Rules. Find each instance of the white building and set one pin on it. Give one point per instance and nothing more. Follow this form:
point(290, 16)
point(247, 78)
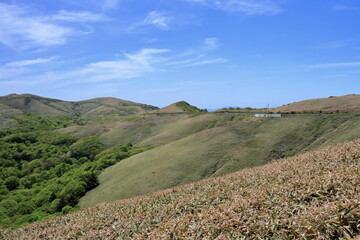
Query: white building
point(267, 115)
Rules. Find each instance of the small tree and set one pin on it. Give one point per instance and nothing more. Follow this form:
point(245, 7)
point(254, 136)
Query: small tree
point(87, 147)
point(12, 182)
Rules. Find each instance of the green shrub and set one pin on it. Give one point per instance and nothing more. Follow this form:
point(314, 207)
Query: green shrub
point(12, 182)
point(25, 208)
point(66, 210)
point(87, 147)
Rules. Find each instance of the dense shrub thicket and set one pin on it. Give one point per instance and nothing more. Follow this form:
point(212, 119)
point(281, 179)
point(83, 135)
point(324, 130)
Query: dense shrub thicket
point(44, 172)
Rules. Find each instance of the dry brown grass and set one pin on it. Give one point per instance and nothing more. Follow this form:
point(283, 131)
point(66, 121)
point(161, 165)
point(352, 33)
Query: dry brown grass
point(315, 195)
point(347, 103)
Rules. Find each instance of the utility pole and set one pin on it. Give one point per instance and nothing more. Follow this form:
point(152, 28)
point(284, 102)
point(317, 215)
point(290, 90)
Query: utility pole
point(267, 110)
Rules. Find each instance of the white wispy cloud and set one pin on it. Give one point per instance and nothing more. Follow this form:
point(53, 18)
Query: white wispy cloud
point(199, 60)
point(157, 19)
point(18, 68)
point(24, 63)
point(198, 55)
point(246, 7)
point(211, 44)
point(133, 65)
point(17, 29)
point(6, 73)
point(130, 66)
point(210, 61)
point(153, 19)
point(77, 16)
point(20, 30)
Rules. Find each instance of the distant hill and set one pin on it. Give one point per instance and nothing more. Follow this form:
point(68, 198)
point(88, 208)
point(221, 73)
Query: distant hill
point(180, 107)
point(310, 196)
point(87, 110)
point(347, 103)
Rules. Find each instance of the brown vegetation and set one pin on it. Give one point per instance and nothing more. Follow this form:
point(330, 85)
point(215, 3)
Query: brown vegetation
point(315, 195)
point(347, 103)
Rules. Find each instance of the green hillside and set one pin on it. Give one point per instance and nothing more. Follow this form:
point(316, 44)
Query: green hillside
point(225, 144)
point(44, 173)
point(96, 109)
point(310, 196)
point(190, 144)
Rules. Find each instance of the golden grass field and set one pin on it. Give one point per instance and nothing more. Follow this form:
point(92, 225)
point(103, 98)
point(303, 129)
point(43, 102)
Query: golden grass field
point(315, 195)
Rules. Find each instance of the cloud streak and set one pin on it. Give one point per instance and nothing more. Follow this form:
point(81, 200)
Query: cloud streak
point(246, 7)
point(30, 62)
point(131, 66)
point(79, 16)
point(16, 29)
point(210, 61)
point(15, 69)
point(20, 30)
point(157, 19)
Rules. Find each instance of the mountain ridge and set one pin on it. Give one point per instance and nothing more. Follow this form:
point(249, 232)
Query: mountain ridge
point(86, 110)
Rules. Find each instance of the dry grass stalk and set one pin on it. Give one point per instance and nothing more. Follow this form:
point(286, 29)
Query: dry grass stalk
point(315, 195)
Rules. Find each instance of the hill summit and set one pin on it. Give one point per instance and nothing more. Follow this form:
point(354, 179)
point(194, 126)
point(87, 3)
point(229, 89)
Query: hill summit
point(180, 107)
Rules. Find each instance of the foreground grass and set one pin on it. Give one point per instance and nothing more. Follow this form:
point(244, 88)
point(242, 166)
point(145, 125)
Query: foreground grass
point(315, 195)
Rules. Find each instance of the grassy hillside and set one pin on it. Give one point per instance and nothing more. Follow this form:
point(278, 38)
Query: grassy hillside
point(144, 130)
point(311, 196)
point(85, 111)
point(347, 103)
point(179, 107)
point(44, 173)
point(225, 144)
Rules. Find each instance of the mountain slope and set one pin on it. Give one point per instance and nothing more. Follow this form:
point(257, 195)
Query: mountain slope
point(347, 103)
point(179, 107)
point(310, 196)
point(228, 143)
point(87, 110)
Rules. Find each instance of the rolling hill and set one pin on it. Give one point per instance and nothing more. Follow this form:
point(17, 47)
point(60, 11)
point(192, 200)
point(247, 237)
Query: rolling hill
point(347, 103)
point(177, 108)
point(225, 144)
point(311, 196)
point(88, 110)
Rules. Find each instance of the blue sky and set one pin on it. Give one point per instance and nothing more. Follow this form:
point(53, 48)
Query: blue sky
point(211, 53)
